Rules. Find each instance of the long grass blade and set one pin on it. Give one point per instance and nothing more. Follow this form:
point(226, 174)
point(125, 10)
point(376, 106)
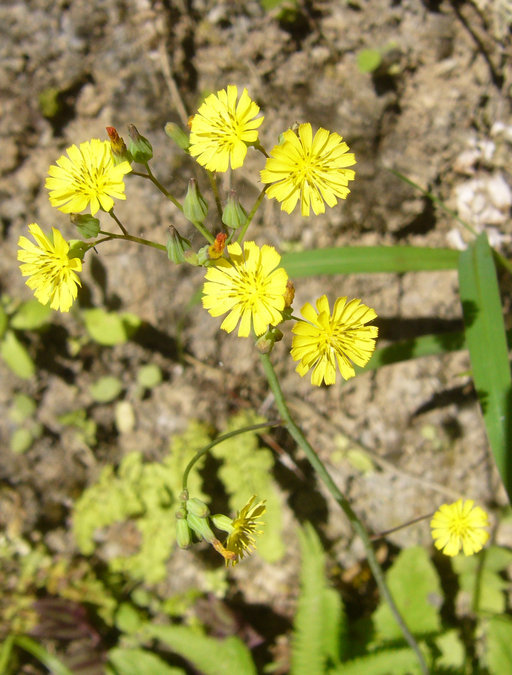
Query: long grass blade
point(368, 259)
point(486, 340)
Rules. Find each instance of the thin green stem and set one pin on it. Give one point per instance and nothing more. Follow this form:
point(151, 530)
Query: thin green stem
point(356, 523)
point(202, 229)
point(121, 226)
point(220, 439)
point(250, 216)
point(212, 177)
point(129, 237)
point(150, 176)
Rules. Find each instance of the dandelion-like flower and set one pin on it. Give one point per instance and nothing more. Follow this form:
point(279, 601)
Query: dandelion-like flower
point(460, 526)
point(310, 169)
point(324, 340)
point(241, 531)
point(222, 129)
point(52, 273)
point(249, 286)
point(88, 175)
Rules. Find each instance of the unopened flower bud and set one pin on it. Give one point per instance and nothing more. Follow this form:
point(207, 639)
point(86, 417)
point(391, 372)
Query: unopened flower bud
point(197, 507)
point(216, 250)
point(195, 207)
point(192, 258)
point(203, 256)
point(139, 147)
point(119, 150)
point(87, 225)
point(201, 527)
point(234, 214)
point(177, 134)
point(222, 522)
point(177, 246)
point(183, 532)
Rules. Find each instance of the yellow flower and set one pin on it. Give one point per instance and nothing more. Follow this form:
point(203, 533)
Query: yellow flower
point(88, 175)
point(52, 272)
point(248, 286)
point(459, 526)
point(222, 129)
point(312, 169)
point(240, 541)
point(324, 339)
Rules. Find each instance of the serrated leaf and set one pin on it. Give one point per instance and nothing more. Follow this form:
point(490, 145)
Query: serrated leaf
point(140, 661)
point(16, 356)
point(368, 259)
point(110, 328)
point(209, 656)
point(106, 389)
point(452, 652)
point(485, 336)
point(31, 315)
point(414, 585)
point(385, 662)
point(499, 645)
point(319, 625)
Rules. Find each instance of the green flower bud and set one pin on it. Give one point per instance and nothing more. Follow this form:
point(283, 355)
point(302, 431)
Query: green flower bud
point(183, 533)
point(265, 343)
point(119, 150)
point(203, 255)
point(197, 507)
point(177, 134)
point(139, 147)
point(195, 207)
point(87, 225)
point(176, 246)
point(222, 522)
point(234, 214)
point(201, 527)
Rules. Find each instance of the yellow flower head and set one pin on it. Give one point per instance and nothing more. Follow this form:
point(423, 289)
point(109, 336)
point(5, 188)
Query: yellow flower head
point(324, 339)
point(312, 169)
point(52, 273)
point(222, 129)
point(248, 286)
point(240, 541)
point(88, 175)
point(460, 526)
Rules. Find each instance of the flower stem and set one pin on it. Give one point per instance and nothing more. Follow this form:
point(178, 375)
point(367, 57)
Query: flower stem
point(220, 439)
point(212, 177)
point(113, 215)
point(341, 500)
point(202, 229)
point(250, 216)
point(128, 237)
point(150, 176)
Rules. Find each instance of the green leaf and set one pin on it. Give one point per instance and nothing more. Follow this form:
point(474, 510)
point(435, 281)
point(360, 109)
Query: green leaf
point(88, 226)
point(426, 345)
point(499, 645)
point(414, 585)
point(368, 259)
point(149, 376)
point(16, 356)
point(4, 320)
point(138, 661)
point(319, 623)
point(20, 441)
point(110, 328)
point(486, 339)
point(37, 650)
point(22, 408)
point(368, 60)
point(31, 315)
point(209, 656)
point(385, 662)
point(106, 389)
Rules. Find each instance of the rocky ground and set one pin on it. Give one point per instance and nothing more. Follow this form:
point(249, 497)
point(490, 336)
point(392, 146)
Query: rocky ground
point(437, 110)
